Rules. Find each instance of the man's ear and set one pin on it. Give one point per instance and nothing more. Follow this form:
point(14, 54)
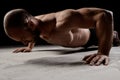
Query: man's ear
point(31, 25)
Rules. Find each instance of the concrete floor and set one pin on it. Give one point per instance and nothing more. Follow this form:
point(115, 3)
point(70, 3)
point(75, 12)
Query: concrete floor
point(56, 63)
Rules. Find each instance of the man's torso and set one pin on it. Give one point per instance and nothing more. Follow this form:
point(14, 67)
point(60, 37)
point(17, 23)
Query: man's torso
point(68, 27)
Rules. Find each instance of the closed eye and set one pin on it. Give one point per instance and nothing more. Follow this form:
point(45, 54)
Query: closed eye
point(25, 42)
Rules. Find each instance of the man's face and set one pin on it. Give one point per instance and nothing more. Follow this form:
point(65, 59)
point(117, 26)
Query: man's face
point(22, 35)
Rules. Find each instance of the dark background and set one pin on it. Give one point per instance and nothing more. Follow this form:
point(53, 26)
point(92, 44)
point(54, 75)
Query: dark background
point(37, 7)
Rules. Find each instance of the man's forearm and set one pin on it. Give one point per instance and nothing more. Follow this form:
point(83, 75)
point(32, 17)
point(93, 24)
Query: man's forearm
point(105, 38)
point(105, 46)
point(104, 28)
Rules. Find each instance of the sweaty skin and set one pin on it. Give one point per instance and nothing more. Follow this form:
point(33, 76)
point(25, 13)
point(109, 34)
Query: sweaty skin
point(70, 28)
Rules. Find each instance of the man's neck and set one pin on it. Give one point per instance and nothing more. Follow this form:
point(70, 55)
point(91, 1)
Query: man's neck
point(46, 27)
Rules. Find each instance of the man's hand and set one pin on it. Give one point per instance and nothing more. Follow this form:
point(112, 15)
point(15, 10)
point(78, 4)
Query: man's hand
point(23, 49)
point(96, 59)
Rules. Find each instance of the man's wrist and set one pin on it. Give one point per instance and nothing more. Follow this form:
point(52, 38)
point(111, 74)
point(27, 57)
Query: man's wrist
point(103, 53)
point(31, 45)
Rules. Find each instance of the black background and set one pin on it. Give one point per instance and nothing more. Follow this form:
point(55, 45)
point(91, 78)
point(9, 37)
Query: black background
point(37, 7)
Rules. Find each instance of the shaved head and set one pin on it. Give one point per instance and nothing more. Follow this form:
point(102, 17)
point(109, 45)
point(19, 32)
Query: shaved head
point(15, 18)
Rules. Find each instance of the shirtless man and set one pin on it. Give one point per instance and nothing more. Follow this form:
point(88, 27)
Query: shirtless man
point(69, 28)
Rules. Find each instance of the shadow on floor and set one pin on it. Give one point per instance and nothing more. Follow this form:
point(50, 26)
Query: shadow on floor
point(56, 61)
point(60, 61)
point(64, 51)
point(80, 50)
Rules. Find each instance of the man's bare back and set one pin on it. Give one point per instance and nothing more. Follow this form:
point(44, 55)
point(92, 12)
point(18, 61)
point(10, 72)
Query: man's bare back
point(70, 28)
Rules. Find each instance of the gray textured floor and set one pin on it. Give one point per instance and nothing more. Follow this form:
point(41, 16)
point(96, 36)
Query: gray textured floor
point(56, 63)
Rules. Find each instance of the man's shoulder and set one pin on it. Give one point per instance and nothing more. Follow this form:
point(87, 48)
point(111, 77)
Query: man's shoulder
point(46, 16)
point(65, 12)
point(91, 9)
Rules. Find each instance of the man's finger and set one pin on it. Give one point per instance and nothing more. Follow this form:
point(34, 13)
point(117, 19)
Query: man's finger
point(26, 51)
point(84, 59)
point(100, 61)
point(106, 61)
point(88, 60)
point(94, 60)
point(15, 51)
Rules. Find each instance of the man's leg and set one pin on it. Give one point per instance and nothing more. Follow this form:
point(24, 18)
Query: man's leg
point(116, 40)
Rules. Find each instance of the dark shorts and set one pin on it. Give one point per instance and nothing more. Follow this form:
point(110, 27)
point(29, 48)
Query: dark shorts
point(93, 40)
